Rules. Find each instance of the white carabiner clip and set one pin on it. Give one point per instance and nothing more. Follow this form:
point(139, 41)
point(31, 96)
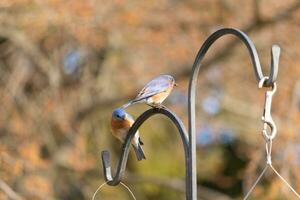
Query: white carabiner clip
point(267, 117)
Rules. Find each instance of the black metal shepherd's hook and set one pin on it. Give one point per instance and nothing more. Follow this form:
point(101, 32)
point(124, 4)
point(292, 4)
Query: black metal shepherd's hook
point(275, 52)
point(189, 142)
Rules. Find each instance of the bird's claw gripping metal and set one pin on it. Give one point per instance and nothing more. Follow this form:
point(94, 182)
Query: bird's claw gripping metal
point(267, 117)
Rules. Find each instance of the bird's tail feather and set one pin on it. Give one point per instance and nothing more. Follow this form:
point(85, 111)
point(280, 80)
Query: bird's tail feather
point(127, 104)
point(133, 102)
point(139, 152)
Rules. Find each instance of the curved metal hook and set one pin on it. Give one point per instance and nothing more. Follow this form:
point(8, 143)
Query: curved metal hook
point(275, 52)
point(115, 180)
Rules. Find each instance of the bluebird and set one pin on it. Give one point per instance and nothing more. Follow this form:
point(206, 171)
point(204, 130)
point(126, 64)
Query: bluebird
point(155, 92)
point(120, 124)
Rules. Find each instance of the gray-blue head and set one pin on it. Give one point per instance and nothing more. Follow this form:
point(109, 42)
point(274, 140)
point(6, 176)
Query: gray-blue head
point(166, 77)
point(119, 114)
point(169, 78)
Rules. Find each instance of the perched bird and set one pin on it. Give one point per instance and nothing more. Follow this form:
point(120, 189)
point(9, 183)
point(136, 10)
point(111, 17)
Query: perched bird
point(155, 92)
point(120, 124)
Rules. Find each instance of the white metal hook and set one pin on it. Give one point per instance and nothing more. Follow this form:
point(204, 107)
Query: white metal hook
point(267, 117)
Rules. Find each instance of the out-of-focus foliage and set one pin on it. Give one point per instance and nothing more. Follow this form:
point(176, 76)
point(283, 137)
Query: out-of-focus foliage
point(66, 64)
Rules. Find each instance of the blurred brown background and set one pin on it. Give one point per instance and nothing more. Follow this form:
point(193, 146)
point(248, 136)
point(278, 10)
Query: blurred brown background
point(66, 64)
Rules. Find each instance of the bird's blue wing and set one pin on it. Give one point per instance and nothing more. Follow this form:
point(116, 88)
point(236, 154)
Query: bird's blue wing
point(158, 85)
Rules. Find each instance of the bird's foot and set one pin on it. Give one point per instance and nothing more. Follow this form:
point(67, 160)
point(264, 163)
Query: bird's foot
point(157, 106)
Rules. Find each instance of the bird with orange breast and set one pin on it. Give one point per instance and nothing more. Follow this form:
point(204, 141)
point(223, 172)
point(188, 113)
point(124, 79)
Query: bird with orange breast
point(155, 92)
point(121, 122)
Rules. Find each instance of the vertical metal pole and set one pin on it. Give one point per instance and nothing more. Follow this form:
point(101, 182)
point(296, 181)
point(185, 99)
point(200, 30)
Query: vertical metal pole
point(192, 136)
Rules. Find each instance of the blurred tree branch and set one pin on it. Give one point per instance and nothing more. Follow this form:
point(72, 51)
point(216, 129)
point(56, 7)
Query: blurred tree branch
point(257, 15)
point(9, 191)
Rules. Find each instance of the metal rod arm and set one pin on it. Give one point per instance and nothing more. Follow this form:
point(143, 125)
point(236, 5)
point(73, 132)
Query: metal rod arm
point(115, 180)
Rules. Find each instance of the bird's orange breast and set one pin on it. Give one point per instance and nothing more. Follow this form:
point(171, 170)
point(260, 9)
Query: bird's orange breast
point(120, 124)
point(160, 97)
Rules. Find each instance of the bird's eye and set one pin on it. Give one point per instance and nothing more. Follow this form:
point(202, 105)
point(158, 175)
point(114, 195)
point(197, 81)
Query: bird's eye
point(119, 116)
